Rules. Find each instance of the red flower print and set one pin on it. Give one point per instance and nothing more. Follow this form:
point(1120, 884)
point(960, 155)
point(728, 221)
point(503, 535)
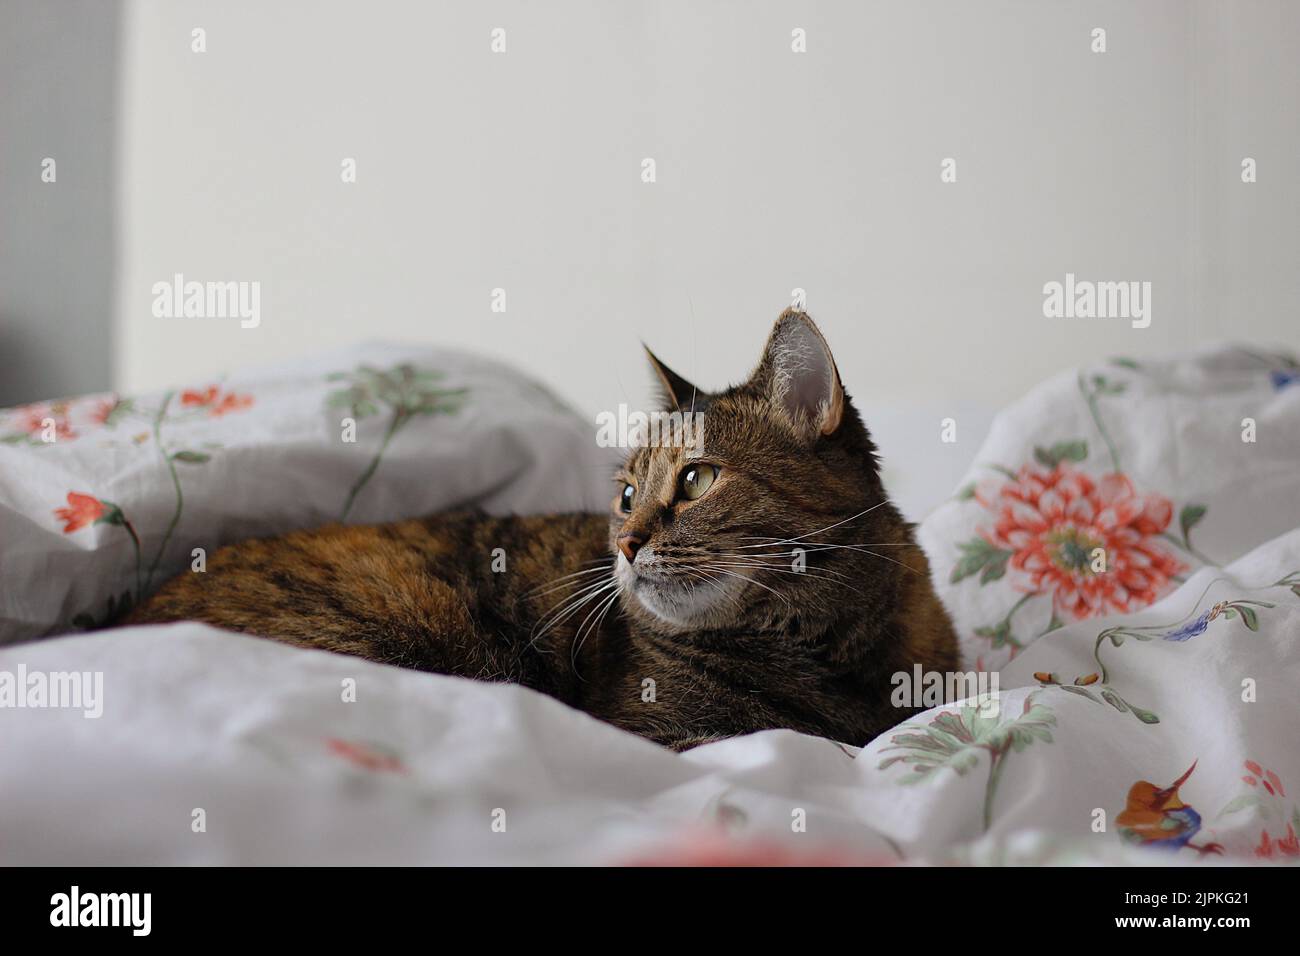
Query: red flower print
point(82, 510)
point(232, 403)
point(1271, 848)
point(103, 408)
point(365, 756)
point(193, 398)
point(34, 417)
point(107, 411)
point(1052, 521)
point(1275, 781)
point(216, 402)
point(1259, 775)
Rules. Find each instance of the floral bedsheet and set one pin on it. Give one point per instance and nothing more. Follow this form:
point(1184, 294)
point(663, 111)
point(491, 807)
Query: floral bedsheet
point(1125, 555)
point(103, 497)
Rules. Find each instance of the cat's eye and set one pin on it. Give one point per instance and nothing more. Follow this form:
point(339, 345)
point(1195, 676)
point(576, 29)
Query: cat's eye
point(625, 500)
point(697, 479)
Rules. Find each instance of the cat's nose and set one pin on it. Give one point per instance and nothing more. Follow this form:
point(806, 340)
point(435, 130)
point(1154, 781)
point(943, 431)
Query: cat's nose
point(629, 542)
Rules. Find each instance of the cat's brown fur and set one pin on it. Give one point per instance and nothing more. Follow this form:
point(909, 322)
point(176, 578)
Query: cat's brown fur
point(714, 628)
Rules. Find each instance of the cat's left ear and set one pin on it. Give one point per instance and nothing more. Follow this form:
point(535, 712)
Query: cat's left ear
point(677, 393)
point(799, 375)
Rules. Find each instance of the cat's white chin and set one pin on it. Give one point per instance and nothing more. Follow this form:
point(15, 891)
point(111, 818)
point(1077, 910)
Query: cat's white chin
point(674, 606)
point(673, 602)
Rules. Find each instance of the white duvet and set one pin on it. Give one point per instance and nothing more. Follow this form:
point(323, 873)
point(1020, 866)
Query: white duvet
point(1151, 716)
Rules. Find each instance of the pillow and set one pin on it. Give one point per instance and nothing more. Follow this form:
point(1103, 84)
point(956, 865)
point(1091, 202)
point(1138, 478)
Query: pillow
point(104, 497)
point(1104, 488)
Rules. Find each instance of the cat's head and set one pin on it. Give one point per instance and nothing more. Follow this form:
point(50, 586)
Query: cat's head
point(758, 506)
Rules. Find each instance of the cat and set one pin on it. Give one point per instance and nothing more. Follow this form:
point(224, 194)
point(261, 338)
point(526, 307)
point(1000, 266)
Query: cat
point(753, 577)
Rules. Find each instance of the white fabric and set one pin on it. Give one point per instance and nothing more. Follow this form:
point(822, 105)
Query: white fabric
point(420, 767)
point(264, 452)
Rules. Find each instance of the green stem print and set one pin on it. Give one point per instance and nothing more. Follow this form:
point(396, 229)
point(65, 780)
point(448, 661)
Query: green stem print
point(997, 761)
point(170, 458)
point(1188, 519)
point(1291, 581)
point(405, 391)
point(1101, 385)
point(1190, 625)
point(84, 510)
point(1000, 633)
point(135, 543)
point(396, 422)
point(955, 740)
point(1082, 687)
point(176, 484)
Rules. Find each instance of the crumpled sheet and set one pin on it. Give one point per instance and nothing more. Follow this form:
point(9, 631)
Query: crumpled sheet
point(1160, 734)
point(104, 497)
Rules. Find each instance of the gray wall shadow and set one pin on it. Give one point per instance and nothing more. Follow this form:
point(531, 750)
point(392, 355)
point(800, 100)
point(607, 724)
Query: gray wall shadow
point(58, 99)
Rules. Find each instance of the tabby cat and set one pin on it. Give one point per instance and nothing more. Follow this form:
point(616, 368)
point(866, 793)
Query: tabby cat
point(754, 577)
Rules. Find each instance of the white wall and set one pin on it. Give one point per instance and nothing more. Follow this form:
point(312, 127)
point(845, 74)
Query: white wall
point(775, 170)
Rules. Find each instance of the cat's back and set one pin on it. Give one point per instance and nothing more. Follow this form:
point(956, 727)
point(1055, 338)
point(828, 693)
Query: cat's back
point(256, 584)
point(394, 592)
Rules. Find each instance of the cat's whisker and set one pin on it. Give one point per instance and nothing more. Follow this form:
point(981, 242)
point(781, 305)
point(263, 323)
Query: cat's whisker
point(747, 579)
point(816, 547)
point(576, 590)
point(584, 630)
point(807, 572)
point(779, 557)
point(601, 564)
point(778, 563)
point(716, 586)
point(885, 557)
point(590, 614)
point(863, 550)
point(603, 610)
point(551, 626)
point(560, 582)
point(568, 606)
point(819, 574)
point(779, 566)
point(829, 527)
point(561, 586)
point(758, 555)
point(820, 545)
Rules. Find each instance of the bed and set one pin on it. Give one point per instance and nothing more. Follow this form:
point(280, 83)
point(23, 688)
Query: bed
point(1145, 708)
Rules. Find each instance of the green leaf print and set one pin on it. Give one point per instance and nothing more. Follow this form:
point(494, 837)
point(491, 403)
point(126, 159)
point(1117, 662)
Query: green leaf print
point(404, 391)
point(954, 740)
point(980, 556)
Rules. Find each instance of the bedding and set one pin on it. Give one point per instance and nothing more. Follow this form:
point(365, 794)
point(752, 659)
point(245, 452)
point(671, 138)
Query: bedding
point(102, 498)
point(1124, 555)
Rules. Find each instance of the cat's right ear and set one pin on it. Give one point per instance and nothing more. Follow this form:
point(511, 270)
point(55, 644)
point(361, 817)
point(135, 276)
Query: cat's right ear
point(676, 392)
point(799, 376)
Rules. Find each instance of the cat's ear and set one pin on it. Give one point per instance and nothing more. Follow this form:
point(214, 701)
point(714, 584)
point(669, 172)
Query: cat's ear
point(799, 376)
point(677, 393)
